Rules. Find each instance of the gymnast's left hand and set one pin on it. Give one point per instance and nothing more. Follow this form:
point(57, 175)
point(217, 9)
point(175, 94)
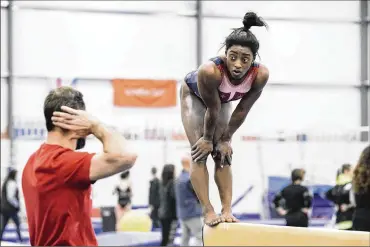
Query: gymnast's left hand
point(225, 151)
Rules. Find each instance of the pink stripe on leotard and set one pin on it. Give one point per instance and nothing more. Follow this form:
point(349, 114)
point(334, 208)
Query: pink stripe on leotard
point(229, 92)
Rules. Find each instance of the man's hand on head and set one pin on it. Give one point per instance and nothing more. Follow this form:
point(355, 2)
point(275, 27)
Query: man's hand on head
point(79, 121)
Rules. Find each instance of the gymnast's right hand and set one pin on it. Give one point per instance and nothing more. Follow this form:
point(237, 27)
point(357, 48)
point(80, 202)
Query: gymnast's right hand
point(201, 149)
point(79, 121)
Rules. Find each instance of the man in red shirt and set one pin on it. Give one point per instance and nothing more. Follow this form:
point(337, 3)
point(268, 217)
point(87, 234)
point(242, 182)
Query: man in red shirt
point(57, 180)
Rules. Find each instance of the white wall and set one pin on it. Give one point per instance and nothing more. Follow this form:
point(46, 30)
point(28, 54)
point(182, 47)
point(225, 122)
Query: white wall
point(4, 104)
point(4, 43)
point(325, 10)
point(57, 43)
point(368, 46)
point(143, 6)
point(295, 108)
point(4, 3)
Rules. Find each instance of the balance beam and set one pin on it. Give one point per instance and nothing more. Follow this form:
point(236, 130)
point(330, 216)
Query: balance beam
point(246, 234)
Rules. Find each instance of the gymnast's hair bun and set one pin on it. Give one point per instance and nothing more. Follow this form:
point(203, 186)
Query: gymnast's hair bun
point(251, 19)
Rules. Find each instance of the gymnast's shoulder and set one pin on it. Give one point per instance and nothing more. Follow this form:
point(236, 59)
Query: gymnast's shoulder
point(209, 71)
point(262, 77)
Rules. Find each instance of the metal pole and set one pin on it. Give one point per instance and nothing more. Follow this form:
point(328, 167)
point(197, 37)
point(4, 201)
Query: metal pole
point(10, 82)
point(199, 32)
point(364, 46)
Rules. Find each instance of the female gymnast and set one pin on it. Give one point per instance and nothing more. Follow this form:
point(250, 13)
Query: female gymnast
point(207, 115)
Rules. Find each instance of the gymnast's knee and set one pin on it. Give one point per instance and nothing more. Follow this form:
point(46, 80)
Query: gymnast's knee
point(218, 164)
point(198, 163)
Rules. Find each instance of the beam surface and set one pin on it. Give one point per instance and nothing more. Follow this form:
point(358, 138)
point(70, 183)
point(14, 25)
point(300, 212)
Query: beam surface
point(246, 234)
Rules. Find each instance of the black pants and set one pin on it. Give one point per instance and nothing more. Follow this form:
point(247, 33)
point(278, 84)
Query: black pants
point(168, 231)
point(155, 218)
point(5, 217)
point(297, 219)
point(361, 220)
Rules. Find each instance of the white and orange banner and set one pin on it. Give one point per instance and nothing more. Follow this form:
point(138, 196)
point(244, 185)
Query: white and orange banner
point(144, 93)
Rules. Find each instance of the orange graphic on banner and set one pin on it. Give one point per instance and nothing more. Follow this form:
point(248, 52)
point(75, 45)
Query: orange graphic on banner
point(144, 93)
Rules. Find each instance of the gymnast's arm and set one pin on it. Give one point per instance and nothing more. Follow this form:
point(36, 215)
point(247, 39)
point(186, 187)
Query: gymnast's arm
point(115, 158)
point(241, 111)
point(208, 81)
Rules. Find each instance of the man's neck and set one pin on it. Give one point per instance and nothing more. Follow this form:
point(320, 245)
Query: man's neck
point(297, 182)
point(57, 138)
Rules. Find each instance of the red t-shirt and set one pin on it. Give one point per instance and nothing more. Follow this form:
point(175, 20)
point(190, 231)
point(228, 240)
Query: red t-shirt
point(57, 189)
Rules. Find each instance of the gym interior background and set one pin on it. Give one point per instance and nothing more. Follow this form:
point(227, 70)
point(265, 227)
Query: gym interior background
point(313, 113)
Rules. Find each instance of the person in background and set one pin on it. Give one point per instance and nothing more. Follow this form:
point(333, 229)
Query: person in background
point(10, 203)
point(189, 210)
point(361, 192)
point(340, 196)
point(297, 200)
point(154, 198)
point(167, 208)
point(124, 192)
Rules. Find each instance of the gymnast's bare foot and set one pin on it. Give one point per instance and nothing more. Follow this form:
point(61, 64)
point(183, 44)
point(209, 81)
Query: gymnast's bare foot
point(228, 217)
point(212, 219)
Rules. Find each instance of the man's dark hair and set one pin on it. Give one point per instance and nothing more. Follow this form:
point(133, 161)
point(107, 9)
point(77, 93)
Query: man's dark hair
point(58, 97)
point(297, 174)
point(12, 174)
point(346, 167)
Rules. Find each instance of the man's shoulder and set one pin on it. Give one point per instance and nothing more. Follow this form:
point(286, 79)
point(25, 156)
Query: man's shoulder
point(50, 150)
point(46, 154)
point(301, 188)
point(49, 158)
point(183, 178)
point(289, 187)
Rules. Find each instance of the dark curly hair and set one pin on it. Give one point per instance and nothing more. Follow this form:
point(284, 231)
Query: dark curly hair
point(361, 174)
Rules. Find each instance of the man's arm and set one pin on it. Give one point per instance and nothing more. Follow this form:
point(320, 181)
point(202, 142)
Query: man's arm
point(277, 199)
point(307, 200)
point(208, 82)
point(329, 195)
point(115, 158)
point(89, 167)
point(277, 203)
point(241, 111)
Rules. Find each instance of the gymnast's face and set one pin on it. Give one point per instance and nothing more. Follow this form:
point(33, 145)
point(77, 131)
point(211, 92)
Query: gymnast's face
point(238, 60)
